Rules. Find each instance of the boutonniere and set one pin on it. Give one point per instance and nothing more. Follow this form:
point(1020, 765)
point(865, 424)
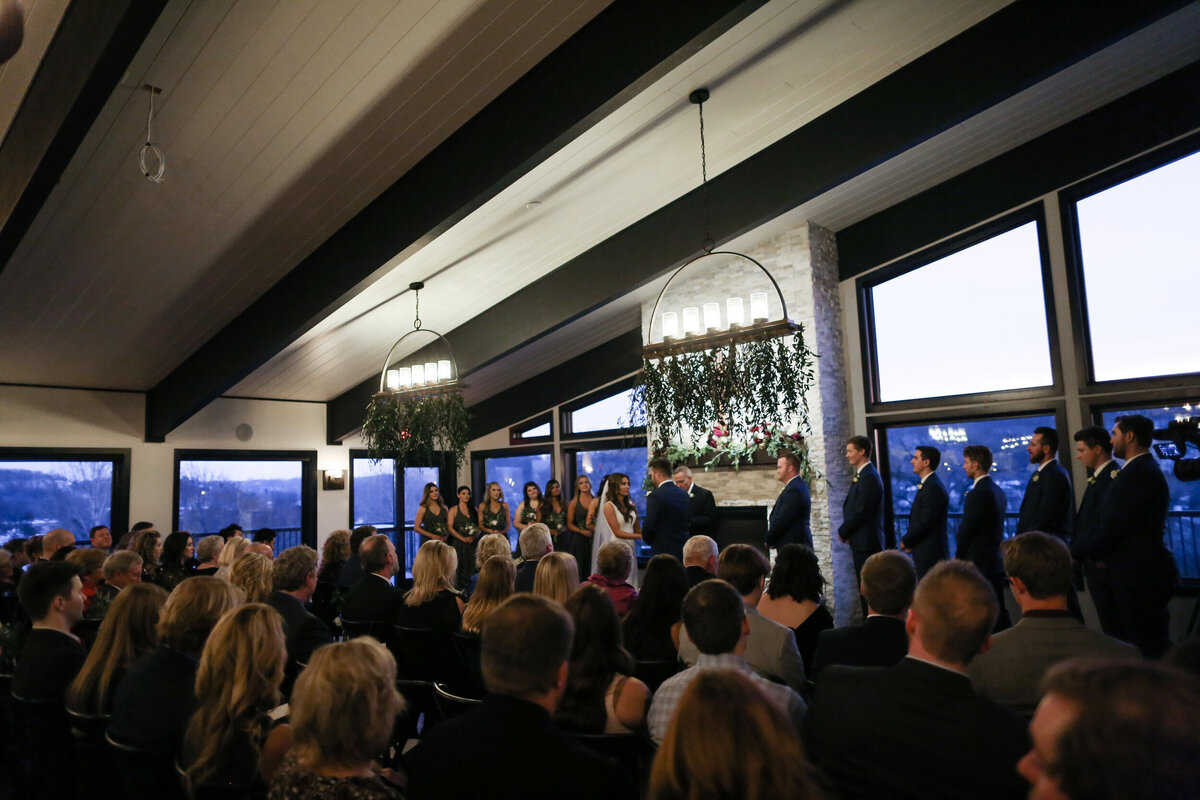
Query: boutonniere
point(1091, 480)
point(1113, 474)
point(1036, 475)
point(855, 479)
point(920, 486)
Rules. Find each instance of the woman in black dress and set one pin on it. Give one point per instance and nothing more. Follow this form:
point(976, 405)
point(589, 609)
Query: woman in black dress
point(580, 543)
point(553, 514)
point(464, 528)
point(430, 521)
point(793, 597)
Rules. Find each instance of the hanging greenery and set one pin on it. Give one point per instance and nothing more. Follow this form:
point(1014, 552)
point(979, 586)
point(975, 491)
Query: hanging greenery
point(724, 406)
point(414, 429)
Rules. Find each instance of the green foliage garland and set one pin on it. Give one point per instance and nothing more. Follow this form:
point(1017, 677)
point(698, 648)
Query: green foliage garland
point(413, 430)
point(728, 404)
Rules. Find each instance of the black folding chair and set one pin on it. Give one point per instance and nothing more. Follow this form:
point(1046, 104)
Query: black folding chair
point(466, 646)
point(632, 752)
point(43, 746)
point(450, 705)
point(354, 628)
point(146, 773)
point(92, 752)
point(653, 673)
point(424, 654)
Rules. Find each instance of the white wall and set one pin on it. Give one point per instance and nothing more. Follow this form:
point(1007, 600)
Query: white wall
point(39, 417)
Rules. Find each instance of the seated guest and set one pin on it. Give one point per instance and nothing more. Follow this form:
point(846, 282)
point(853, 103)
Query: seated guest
point(208, 555)
point(253, 574)
point(342, 712)
point(91, 571)
point(495, 586)
point(20, 559)
point(157, 695)
point(235, 548)
point(556, 577)
point(326, 599)
point(262, 549)
point(129, 631)
point(601, 697)
point(888, 582)
point(699, 559)
point(232, 739)
point(294, 578)
point(1115, 729)
point(100, 537)
point(373, 599)
point(525, 649)
point(432, 602)
point(229, 532)
point(615, 562)
point(57, 543)
point(493, 544)
point(52, 595)
point(651, 628)
point(265, 536)
point(916, 730)
point(123, 568)
point(149, 546)
point(534, 543)
point(771, 650)
point(794, 597)
point(1011, 672)
point(352, 571)
point(177, 561)
point(716, 613)
point(33, 551)
point(728, 740)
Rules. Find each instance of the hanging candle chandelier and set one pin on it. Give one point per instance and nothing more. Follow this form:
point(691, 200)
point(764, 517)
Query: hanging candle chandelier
point(434, 373)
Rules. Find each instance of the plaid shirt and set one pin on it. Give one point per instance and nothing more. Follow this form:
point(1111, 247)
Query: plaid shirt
point(667, 696)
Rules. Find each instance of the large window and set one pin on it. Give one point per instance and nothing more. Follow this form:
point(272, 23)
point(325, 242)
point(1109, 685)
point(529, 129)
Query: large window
point(512, 472)
point(971, 321)
point(1141, 268)
point(1007, 438)
point(596, 464)
point(44, 489)
point(604, 412)
point(381, 493)
point(1183, 514)
point(254, 489)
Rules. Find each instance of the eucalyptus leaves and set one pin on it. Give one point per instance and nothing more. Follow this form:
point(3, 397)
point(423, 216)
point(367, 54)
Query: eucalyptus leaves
point(414, 429)
point(729, 403)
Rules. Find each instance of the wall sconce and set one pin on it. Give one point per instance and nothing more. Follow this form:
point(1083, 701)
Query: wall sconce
point(333, 479)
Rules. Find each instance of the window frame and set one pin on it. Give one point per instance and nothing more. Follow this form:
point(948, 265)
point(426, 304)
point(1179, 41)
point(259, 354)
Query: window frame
point(1033, 212)
point(565, 410)
point(121, 459)
point(1068, 199)
point(308, 481)
point(515, 438)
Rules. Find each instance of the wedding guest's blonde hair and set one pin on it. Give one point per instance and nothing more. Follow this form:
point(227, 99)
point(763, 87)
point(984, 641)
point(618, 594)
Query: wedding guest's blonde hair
point(129, 631)
point(495, 586)
point(253, 573)
point(556, 577)
point(493, 544)
point(433, 570)
point(193, 609)
point(231, 552)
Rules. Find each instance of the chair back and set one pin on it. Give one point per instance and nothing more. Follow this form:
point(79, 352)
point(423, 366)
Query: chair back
point(145, 773)
point(92, 751)
point(653, 673)
point(424, 654)
point(467, 647)
point(632, 752)
point(354, 628)
point(43, 744)
point(450, 705)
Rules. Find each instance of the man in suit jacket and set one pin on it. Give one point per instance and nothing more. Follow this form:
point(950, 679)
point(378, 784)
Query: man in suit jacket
point(862, 510)
point(1048, 505)
point(295, 579)
point(789, 522)
point(524, 651)
point(771, 649)
point(926, 538)
point(373, 599)
point(668, 510)
point(52, 595)
point(888, 583)
point(1093, 448)
point(699, 559)
point(1011, 672)
point(981, 528)
point(534, 543)
point(916, 730)
point(1129, 543)
point(703, 521)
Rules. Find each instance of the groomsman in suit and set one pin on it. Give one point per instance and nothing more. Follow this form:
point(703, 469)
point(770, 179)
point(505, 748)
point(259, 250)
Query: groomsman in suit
point(1093, 448)
point(704, 506)
point(668, 510)
point(789, 516)
point(982, 526)
point(1049, 502)
point(1129, 544)
point(926, 539)
point(862, 510)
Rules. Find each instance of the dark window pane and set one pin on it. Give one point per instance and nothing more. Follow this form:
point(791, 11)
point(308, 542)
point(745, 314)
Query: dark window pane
point(629, 461)
point(1006, 438)
point(512, 472)
point(611, 413)
point(978, 313)
point(254, 494)
point(1139, 238)
point(39, 496)
point(1183, 514)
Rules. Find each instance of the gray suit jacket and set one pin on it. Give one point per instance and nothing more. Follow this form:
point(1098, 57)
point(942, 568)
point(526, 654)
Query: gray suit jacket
point(770, 651)
point(1011, 672)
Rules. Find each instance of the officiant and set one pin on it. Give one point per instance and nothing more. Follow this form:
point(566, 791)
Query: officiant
point(704, 506)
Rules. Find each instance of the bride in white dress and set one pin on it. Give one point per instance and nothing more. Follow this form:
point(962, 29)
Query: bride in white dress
point(616, 518)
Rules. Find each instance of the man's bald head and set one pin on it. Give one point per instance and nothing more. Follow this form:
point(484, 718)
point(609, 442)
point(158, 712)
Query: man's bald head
point(56, 540)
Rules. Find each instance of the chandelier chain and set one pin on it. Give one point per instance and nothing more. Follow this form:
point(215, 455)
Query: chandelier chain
point(417, 320)
point(708, 240)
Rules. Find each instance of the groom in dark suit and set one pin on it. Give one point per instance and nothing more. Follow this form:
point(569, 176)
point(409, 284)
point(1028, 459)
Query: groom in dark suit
point(862, 510)
point(926, 538)
point(668, 511)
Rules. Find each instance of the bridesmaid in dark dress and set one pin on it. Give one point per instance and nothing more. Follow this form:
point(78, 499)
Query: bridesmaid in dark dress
point(464, 529)
point(493, 512)
point(554, 515)
point(793, 597)
point(430, 521)
point(529, 509)
point(580, 543)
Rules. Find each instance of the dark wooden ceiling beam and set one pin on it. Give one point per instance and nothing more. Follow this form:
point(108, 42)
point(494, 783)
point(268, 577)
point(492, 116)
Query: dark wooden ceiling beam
point(620, 52)
point(1015, 48)
point(93, 46)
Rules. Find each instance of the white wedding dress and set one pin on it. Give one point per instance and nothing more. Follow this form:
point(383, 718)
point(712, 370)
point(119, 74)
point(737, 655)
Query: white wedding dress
point(604, 533)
